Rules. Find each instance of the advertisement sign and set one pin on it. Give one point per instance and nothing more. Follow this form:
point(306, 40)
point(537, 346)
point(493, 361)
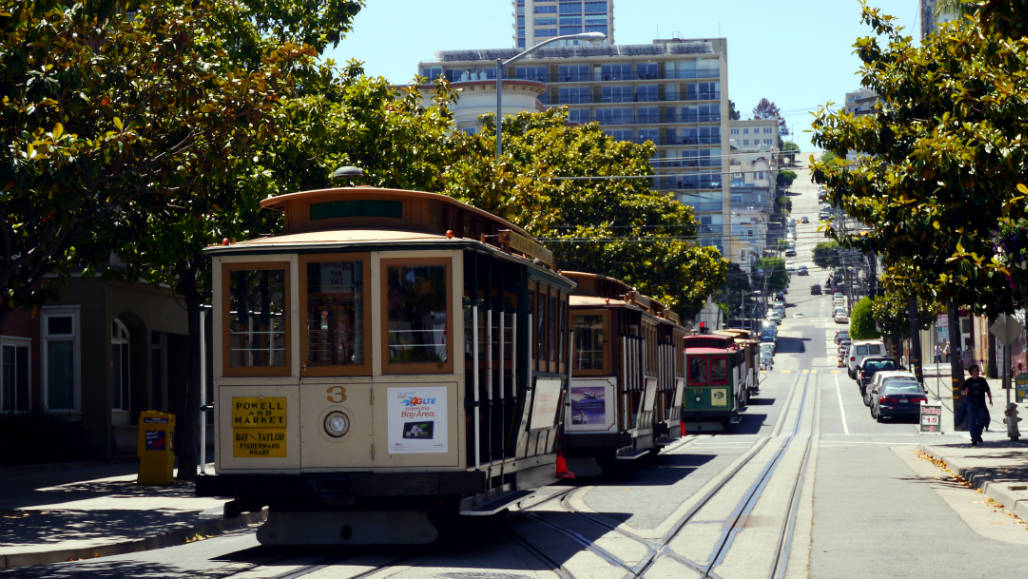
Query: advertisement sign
point(719, 397)
point(417, 420)
point(259, 427)
point(1021, 387)
point(592, 405)
point(931, 417)
point(544, 403)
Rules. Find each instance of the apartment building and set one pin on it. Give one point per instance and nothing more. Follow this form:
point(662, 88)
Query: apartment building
point(754, 146)
point(538, 20)
point(672, 92)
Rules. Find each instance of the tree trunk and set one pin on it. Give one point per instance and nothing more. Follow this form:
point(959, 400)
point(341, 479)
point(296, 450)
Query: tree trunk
point(189, 421)
point(956, 362)
point(915, 339)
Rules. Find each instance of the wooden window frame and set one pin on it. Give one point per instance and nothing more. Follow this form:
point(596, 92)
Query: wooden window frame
point(363, 369)
point(415, 367)
point(608, 339)
point(227, 368)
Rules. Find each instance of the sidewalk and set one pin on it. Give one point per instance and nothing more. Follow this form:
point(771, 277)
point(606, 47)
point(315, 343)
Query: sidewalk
point(999, 468)
point(61, 512)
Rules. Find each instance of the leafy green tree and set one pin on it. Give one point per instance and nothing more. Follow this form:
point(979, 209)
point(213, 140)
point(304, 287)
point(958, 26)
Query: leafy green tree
point(108, 108)
point(941, 158)
point(789, 151)
point(772, 271)
point(785, 179)
point(733, 113)
point(828, 254)
point(862, 322)
point(564, 184)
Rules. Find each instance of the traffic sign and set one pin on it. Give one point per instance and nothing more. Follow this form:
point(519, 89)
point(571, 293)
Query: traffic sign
point(1006, 328)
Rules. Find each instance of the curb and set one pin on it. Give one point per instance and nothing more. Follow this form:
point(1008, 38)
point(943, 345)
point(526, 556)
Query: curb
point(159, 541)
point(1011, 496)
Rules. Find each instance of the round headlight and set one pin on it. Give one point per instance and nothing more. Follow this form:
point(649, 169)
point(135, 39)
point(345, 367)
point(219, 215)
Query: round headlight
point(337, 424)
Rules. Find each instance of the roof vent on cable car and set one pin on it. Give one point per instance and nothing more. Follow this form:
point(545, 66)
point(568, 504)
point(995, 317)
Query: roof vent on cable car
point(347, 172)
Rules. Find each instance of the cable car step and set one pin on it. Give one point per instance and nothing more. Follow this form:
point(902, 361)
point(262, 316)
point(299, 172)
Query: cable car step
point(633, 455)
point(494, 506)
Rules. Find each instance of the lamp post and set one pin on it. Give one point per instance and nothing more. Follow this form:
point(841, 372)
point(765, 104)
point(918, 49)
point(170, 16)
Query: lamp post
point(500, 64)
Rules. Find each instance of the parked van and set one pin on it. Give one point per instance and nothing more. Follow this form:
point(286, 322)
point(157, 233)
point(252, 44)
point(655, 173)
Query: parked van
point(859, 350)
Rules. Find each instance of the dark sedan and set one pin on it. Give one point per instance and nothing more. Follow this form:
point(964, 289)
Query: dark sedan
point(872, 364)
point(898, 399)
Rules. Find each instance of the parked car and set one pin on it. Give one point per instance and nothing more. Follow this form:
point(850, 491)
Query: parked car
point(802, 270)
point(841, 335)
point(862, 349)
point(881, 378)
point(840, 317)
point(898, 399)
point(790, 251)
point(872, 365)
point(804, 219)
point(815, 290)
point(790, 266)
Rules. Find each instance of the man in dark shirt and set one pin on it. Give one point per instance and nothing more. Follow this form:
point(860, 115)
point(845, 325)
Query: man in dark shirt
point(975, 390)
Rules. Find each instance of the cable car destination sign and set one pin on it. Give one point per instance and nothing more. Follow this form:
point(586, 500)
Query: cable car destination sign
point(259, 427)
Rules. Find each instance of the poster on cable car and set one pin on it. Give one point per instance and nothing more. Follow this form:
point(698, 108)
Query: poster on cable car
point(417, 420)
point(592, 405)
point(1021, 387)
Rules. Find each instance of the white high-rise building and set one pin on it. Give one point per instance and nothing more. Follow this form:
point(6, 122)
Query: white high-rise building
point(537, 20)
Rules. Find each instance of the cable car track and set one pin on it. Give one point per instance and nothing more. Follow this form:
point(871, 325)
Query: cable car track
point(661, 548)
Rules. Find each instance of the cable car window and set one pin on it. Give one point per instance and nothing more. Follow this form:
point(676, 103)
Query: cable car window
point(335, 305)
point(590, 342)
point(697, 371)
point(719, 370)
point(257, 322)
point(417, 308)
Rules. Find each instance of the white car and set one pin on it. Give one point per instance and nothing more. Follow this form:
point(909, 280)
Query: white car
point(861, 349)
point(790, 266)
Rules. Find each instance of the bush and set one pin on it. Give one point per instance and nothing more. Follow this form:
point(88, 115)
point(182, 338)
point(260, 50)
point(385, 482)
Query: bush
point(862, 322)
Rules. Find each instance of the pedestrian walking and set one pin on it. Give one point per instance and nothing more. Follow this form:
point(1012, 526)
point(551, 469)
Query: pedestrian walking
point(975, 390)
point(938, 354)
point(945, 352)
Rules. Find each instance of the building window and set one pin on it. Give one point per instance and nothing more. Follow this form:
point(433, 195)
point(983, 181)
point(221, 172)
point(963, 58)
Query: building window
point(14, 374)
point(647, 93)
point(617, 94)
point(570, 8)
point(573, 95)
point(61, 377)
point(573, 73)
point(545, 32)
point(545, 21)
point(616, 71)
point(648, 115)
point(120, 375)
point(580, 116)
point(646, 70)
point(538, 73)
point(649, 135)
point(544, 9)
point(595, 7)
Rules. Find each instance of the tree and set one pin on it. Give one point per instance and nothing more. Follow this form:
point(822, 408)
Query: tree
point(733, 113)
point(108, 108)
point(766, 109)
point(862, 322)
point(784, 179)
point(790, 150)
point(828, 254)
point(772, 270)
point(941, 158)
point(564, 184)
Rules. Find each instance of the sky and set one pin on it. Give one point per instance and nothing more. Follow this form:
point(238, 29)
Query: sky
point(797, 53)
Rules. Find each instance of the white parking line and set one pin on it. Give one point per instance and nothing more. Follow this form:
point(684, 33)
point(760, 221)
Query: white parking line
point(842, 411)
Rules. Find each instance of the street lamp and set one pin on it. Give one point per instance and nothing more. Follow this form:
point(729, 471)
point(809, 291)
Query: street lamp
point(502, 63)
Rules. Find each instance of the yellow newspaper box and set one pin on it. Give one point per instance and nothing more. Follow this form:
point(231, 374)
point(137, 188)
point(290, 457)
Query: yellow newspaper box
point(155, 448)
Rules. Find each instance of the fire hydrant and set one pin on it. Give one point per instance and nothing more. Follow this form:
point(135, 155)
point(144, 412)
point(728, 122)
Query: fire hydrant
point(1011, 420)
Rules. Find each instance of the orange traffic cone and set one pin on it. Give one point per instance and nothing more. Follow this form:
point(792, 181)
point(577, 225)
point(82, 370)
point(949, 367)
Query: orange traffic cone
point(682, 424)
point(562, 468)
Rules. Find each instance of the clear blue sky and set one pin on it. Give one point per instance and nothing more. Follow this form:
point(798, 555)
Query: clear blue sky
point(797, 53)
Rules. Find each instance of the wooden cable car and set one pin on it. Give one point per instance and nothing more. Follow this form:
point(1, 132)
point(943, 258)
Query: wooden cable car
point(391, 359)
